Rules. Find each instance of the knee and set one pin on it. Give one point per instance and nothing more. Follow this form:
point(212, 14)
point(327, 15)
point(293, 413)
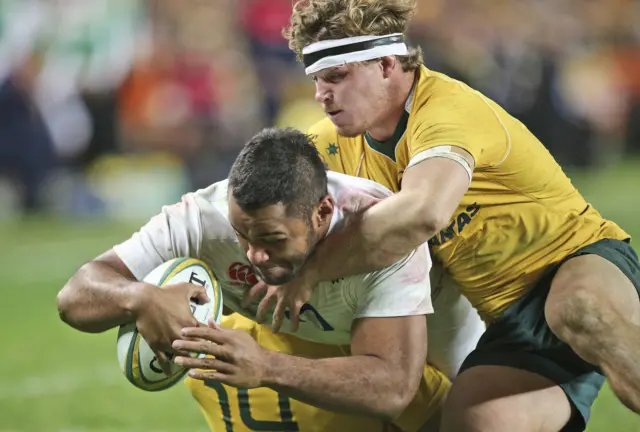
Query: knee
point(572, 308)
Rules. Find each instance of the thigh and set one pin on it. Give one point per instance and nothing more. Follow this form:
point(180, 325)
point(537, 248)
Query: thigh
point(603, 279)
point(522, 340)
point(504, 399)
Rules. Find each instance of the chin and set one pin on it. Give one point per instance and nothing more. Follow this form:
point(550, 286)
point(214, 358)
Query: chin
point(277, 277)
point(349, 131)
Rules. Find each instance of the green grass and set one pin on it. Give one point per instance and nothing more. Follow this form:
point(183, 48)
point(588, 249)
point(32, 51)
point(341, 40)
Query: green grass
point(56, 379)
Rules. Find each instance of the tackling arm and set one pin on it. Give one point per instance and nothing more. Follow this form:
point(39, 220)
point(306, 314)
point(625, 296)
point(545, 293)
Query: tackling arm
point(388, 231)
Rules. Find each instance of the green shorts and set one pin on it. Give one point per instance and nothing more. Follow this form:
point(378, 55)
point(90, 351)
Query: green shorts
point(521, 338)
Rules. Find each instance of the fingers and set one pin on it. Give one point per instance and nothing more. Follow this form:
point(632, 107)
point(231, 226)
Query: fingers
point(180, 353)
point(209, 363)
point(294, 312)
point(265, 304)
point(163, 361)
point(254, 293)
point(199, 346)
point(215, 334)
point(205, 375)
point(199, 294)
point(213, 324)
point(278, 315)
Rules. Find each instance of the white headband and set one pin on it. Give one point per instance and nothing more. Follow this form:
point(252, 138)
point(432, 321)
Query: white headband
point(336, 52)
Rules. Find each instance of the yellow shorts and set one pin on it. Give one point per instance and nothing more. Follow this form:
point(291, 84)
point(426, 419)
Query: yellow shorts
point(228, 409)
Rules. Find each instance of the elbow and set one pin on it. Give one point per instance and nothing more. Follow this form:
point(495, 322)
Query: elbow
point(427, 217)
point(397, 399)
point(64, 303)
point(71, 308)
point(431, 221)
point(397, 404)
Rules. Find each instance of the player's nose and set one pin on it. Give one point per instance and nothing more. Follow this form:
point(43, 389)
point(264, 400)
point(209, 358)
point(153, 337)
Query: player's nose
point(322, 93)
point(257, 256)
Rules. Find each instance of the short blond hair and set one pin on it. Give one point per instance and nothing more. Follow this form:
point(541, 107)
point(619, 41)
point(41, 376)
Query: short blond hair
point(316, 20)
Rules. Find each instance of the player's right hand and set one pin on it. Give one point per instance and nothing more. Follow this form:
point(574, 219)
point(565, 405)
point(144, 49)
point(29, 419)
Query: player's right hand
point(290, 296)
point(161, 314)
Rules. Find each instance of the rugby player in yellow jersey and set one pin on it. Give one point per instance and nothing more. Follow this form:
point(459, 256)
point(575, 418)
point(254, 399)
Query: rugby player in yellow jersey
point(557, 283)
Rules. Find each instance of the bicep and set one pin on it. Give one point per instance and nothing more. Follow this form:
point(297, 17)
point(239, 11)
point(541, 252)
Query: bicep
point(111, 259)
point(401, 342)
point(173, 233)
point(438, 183)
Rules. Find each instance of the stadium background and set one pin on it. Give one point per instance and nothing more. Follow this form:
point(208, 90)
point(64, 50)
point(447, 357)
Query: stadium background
point(111, 108)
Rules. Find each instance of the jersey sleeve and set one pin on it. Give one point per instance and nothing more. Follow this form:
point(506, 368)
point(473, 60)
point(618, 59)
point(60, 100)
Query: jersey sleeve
point(175, 232)
point(402, 289)
point(460, 118)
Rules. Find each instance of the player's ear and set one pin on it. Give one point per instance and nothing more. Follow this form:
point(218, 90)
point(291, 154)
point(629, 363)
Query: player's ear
point(324, 211)
point(388, 63)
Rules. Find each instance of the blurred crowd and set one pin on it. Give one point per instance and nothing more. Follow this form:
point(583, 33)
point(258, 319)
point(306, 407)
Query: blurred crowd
point(113, 106)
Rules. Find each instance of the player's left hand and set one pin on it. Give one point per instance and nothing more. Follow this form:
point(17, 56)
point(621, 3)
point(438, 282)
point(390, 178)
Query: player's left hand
point(292, 296)
point(239, 360)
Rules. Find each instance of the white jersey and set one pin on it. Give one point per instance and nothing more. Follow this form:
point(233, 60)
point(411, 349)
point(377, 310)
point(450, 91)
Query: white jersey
point(199, 227)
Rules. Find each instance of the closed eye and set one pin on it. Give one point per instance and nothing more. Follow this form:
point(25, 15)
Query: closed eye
point(273, 240)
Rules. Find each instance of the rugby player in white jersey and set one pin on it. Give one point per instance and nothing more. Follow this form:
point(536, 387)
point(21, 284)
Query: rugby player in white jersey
point(364, 337)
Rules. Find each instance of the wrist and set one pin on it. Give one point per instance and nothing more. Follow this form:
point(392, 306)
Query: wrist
point(134, 299)
point(310, 274)
point(273, 366)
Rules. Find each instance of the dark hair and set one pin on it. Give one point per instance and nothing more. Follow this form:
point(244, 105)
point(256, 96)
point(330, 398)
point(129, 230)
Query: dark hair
point(279, 166)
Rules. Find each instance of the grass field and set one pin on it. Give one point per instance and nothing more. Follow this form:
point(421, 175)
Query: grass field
point(56, 379)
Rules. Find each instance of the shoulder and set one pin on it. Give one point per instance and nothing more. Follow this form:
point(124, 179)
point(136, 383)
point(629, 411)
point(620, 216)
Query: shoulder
point(447, 112)
point(352, 194)
point(327, 140)
point(323, 132)
point(212, 207)
point(215, 193)
point(439, 97)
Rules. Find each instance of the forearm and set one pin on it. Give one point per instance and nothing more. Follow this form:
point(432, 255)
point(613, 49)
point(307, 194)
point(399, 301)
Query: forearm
point(355, 384)
point(376, 238)
point(97, 298)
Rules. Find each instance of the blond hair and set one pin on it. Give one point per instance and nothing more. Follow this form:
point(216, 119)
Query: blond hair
point(315, 20)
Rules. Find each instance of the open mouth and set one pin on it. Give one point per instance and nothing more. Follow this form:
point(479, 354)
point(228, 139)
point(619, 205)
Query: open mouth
point(334, 113)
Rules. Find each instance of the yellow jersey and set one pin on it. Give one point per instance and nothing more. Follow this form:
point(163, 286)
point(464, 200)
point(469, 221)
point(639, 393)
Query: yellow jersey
point(521, 213)
point(260, 409)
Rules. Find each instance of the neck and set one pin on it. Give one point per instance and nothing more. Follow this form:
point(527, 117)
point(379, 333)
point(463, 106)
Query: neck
point(386, 125)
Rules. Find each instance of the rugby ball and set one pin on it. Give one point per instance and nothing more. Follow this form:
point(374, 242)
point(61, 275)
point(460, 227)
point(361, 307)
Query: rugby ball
point(137, 361)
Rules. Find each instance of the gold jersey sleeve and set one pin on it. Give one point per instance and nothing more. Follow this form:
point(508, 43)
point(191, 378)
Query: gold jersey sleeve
point(243, 410)
point(449, 113)
point(521, 213)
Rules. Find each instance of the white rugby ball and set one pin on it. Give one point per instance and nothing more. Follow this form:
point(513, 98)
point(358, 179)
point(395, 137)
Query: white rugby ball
point(137, 361)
